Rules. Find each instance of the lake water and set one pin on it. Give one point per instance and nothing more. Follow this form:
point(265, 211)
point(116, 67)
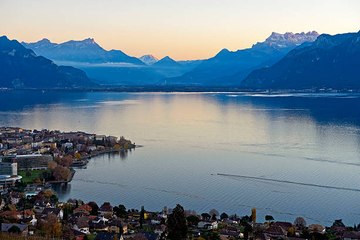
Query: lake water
point(302, 151)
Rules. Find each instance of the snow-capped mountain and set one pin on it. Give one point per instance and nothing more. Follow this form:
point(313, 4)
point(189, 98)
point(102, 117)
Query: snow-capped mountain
point(329, 62)
point(288, 39)
point(86, 50)
point(229, 68)
point(22, 68)
point(148, 59)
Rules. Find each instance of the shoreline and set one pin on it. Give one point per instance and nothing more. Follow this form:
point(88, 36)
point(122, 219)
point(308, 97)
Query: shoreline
point(187, 89)
point(112, 150)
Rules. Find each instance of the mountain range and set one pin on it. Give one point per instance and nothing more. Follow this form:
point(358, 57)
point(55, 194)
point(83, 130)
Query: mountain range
point(229, 68)
point(86, 50)
point(22, 68)
point(283, 61)
point(328, 62)
point(112, 67)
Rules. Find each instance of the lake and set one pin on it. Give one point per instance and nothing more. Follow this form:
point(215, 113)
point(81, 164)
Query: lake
point(287, 155)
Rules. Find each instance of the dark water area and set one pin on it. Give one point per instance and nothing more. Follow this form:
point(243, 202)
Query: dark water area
point(287, 155)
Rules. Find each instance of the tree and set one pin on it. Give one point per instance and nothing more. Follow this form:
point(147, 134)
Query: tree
point(68, 210)
point(224, 216)
point(213, 212)
point(245, 219)
point(193, 220)
point(94, 208)
point(52, 226)
point(68, 232)
point(65, 161)
point(269, 218)
point(48, 193)
point(78, 156)
point(61, 173)
point(291, 232)
point(52, 165)
point(120, 211)
point(338, 223)
point(300, 223)
point(205, 216)
point(247, 230)
point(177, 227)
point(142, 216)
point(211, 235)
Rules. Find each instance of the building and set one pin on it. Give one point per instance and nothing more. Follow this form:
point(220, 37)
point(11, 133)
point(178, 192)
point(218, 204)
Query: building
point(8, 168)
point(33, 161)
point(8, 173)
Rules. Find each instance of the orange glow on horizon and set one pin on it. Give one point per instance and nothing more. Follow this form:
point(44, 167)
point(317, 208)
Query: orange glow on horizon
point(181, 29)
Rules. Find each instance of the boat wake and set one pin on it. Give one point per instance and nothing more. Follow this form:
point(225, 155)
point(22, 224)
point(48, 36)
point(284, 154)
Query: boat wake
point(290, 182)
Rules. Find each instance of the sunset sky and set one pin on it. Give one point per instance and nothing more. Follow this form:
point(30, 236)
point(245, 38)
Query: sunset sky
point(182, 29)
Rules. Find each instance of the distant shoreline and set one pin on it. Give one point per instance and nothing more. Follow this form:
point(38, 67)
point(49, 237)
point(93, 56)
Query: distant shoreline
point(195, 89)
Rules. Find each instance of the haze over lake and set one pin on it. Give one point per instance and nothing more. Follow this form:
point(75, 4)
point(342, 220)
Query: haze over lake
point(300, 150)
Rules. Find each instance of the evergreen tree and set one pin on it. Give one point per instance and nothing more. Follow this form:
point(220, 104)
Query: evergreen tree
point(142, 216)
point(177, 226)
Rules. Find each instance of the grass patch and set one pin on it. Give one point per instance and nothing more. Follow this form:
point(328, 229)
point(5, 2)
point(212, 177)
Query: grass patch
point(30, 175)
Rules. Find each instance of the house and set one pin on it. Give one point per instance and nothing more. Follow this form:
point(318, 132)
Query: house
point(208, 225)
point(73, 202)
point(11, 215)
point(51, 145)
point(275, 232)
point(7, 227)
point(106, 210)
point(68, 145)
point(160, 229)
point(79, 235)
point(30, 220)
point(108, 236)
point(2, 204)
point(91, 148)
point(100, 224)
point(40, 205)
point(84, 209)
point(155, 222)
point(151, 236)
point(230, 231)
point(351, 235)
point(99, 227)
point(15, 197)
point(283, 225)
point(116, 226)
point(58, 212)
point(82, 225)
point(100, 220)
point(100, 137)
point(316, 228)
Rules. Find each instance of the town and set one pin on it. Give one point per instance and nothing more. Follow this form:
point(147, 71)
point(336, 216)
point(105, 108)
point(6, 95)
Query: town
point(33, 160)
point(49, 156)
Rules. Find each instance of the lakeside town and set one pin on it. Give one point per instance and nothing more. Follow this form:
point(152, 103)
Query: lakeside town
point(32, 160)
point(50, 156)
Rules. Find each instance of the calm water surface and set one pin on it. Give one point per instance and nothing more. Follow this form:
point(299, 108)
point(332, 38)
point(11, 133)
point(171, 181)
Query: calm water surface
point(303, 150)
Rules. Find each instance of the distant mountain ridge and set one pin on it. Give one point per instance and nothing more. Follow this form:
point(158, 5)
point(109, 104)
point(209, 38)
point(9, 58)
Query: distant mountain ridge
point(228, 68)
point(148, 59)
point(22, 68)
point(86, 50)
point(329, 62)
point(166, 62)
point(288, 39)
